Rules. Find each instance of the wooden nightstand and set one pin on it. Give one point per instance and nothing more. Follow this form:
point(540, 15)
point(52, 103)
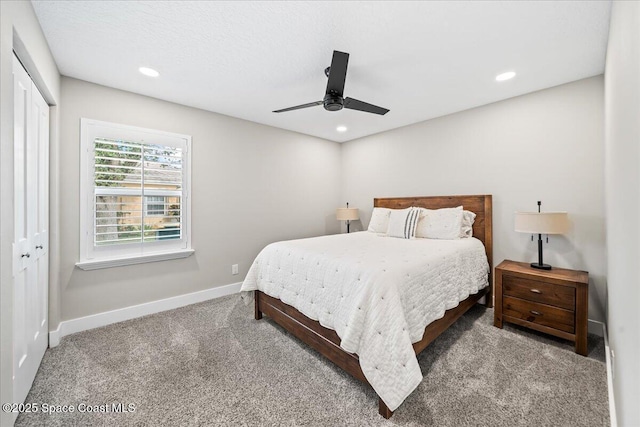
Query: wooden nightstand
point(551, 301)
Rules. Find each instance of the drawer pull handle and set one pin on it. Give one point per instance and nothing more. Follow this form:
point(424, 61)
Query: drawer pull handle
point(536, 291)
point(535, 313)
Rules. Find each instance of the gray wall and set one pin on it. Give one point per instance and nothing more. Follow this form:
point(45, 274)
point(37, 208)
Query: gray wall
point(251, 185)
point(542, 146)
point(622, 174)
point(19, 30)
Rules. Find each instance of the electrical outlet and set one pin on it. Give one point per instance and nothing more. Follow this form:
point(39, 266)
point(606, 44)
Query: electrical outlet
point(234, 269)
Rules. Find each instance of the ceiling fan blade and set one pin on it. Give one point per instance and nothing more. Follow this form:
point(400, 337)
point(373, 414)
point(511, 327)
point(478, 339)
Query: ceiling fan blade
point(354, 104)
point(298, 107)
point(337, 73)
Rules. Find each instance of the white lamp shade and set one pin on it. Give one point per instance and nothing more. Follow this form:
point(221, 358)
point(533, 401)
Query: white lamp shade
point(542, 222)
point(346, 214)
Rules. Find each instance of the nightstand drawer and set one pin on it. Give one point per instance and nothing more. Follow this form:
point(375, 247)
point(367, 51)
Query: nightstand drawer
point(545, 293)
point(542, 314)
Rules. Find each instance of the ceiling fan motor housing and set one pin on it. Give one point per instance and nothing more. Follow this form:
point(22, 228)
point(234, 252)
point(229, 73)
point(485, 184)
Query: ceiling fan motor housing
point(333, 102)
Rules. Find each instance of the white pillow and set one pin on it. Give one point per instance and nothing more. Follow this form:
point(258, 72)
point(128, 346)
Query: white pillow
point(468, 218)
point(443, 223)
point(379, 220)
point(403, 222)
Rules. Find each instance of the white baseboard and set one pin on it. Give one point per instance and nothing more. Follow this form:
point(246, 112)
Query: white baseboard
point(68, 327)
point(54, 336)
point(607, 352)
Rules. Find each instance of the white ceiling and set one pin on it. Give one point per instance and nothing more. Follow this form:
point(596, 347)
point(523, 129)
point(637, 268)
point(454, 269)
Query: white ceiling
point(244, 59)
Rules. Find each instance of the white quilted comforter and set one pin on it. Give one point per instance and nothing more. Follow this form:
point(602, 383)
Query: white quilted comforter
point(378, 293)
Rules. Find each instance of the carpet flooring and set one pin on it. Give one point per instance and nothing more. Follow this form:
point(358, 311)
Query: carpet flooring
point(211, 364)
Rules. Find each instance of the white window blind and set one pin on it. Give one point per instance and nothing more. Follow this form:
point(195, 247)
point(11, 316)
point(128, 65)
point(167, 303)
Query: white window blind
point(137, 192)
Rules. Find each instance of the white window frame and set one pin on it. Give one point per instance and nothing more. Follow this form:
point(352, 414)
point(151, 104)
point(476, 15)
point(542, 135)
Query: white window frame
point(94, 257)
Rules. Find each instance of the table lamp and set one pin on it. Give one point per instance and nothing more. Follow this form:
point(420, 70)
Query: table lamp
point(541, 223)
point(347, 214)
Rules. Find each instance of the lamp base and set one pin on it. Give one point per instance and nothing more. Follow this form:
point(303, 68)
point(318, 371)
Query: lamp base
point(540, 266)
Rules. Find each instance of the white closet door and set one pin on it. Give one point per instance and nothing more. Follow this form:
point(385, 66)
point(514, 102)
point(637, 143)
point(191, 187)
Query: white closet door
point(31, 212)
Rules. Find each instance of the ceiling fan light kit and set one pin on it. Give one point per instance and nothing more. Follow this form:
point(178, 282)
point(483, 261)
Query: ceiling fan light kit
point(333, 99)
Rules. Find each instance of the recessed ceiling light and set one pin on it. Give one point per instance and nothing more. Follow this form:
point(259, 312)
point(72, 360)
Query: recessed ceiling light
point(148, 72)
point(505, 76)
point(341, 128)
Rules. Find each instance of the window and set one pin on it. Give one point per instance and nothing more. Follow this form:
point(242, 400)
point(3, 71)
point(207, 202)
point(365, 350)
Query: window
point(155, 205)
point(134, 195)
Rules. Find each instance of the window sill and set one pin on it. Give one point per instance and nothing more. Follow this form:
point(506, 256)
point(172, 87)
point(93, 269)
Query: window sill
point(130, 260)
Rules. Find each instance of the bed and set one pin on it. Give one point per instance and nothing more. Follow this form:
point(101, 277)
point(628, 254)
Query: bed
point(371, 304)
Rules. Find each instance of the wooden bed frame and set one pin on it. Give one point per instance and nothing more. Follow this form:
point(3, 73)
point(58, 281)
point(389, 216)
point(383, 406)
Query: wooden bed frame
point(327, 342)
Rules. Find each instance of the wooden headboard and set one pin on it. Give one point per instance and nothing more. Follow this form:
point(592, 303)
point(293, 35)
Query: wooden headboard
point(480, 205)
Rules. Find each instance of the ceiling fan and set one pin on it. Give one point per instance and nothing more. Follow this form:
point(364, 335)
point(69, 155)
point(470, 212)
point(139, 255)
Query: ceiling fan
point(333, 98)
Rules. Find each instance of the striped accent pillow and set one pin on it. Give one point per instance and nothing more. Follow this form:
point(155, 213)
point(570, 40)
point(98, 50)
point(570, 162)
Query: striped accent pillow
point(403, 222)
